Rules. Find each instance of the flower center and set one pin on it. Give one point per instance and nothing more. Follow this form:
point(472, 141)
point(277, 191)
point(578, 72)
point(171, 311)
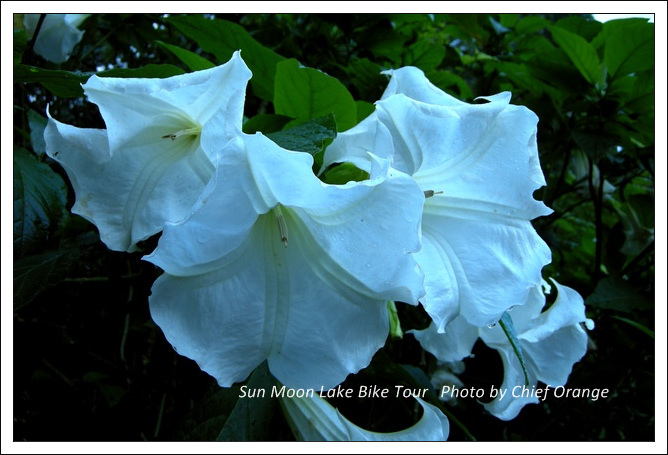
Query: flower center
point(194, 131)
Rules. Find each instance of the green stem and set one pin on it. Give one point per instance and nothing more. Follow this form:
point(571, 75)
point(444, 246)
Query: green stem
point(506, 324)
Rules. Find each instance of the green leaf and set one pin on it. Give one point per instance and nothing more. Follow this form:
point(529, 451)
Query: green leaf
point(585, 28)
point(39, 202)
point(364, 109)
point(67, 84)
point(64, 84)
point(367, 78)
point(446, 79)
point(265, 123)
point(192, 60)
point(508, 20)
point(20, 44)
point(582, 54)
point(637, 325)
point(310, 137)
point(37, 124)
point(613, 293)
point(36, 273)
point(531, 24)
point(629, 47)
point(152, 70)
point(222, 38)
point(506, 324)
point(306, 93)
point(424, 55)
point(343, 173)
point(252, 419)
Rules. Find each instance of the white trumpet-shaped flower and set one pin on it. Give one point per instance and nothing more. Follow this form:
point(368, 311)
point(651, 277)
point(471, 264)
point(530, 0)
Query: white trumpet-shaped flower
point(551, 342)
point(158, 152)
point(314, 419)
point(274, 264)
point(478, 167)
point(58, 35)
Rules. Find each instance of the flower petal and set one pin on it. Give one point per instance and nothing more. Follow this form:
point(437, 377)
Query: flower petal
point(412, 82)
point(319, 262)
point(128, 195)
point(479, 161)
point(508, 407)
point(355, 144)
point(144, 111)
point(267, 301)
point(483, 152)
point(495, 261)
point(314, 419)
point(452, 345)
point(58, 35)
point(551, 342)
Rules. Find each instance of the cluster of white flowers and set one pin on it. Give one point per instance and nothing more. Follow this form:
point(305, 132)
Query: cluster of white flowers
point(264, 261)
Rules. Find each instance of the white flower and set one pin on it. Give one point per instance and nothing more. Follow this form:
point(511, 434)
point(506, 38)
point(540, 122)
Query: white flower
point(57, 36)
point(478, 166)
point(158, 152)
point(274, 264)
point(314, 419)
point(551, 343)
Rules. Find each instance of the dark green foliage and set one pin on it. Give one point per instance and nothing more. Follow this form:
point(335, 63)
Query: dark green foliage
point(89, 364)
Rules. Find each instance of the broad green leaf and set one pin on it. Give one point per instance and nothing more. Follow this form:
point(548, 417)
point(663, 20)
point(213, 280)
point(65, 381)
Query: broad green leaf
point(506, 324)
point(39, 202)
point(525, 76)
point(37, 124)
point(265, 123)
point(383, 42)
point(425, 55)
point(582, 54)
point(364, 109)
point(310, 137)
point(152, 70)
point(306, 93)
point(586, 28)
point(531, 24)
point(367, 78)
point(344, 173)
point(508, 20)
point(64, 84)
point(222, 38)
point(446, 79)
point(192, 60)
point(253, 419)
point(33, 274)
point(613, 293)
point(20, 43)
point(629, 48)
point(67, 84)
